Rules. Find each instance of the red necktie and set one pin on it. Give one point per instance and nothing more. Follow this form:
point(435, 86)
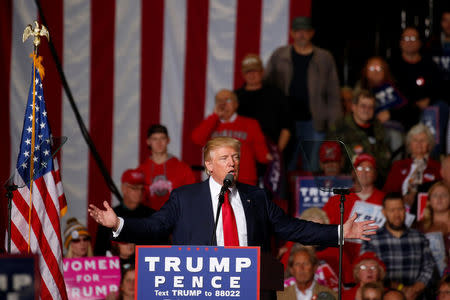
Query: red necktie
point(230, 233)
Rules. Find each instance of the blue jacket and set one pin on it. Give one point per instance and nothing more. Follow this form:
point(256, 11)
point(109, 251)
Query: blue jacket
point(188, 215)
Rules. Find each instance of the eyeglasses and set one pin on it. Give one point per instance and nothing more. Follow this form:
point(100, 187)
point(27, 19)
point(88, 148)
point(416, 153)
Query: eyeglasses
point(83, 239)
point(364, 267)
point(361, 168)
point(375, 69)
point(410, 38)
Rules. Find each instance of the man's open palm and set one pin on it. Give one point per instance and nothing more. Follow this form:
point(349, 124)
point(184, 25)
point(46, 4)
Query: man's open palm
point(107, 218)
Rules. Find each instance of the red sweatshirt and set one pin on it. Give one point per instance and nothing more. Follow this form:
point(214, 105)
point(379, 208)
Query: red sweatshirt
point(161, 179)
point(332, 210)
point(332, 206)
point(244, 129)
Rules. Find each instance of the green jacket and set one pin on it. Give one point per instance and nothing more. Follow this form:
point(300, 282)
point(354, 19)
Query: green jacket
point(358, 142)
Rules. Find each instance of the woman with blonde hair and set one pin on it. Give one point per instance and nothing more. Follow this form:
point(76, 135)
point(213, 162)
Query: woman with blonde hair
point(77, 240)
point(407, 174)
point(436, 217)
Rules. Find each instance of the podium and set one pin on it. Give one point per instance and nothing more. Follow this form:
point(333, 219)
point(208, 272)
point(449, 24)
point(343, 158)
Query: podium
point(205, 272)
point(271, 276)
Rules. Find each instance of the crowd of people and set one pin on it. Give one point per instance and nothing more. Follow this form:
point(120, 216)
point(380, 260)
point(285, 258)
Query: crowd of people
point(394, 123)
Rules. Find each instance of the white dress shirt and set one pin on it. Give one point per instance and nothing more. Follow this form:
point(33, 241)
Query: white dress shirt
point(238, 209)
point(308, 292)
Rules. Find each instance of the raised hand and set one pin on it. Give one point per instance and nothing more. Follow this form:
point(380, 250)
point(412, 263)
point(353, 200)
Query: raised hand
point(219, 109)
point(107, 218)
point(359, 230)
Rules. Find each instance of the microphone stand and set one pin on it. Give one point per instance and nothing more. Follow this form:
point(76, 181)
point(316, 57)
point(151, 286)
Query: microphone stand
point(10, 188)
point(219, 207)
point(341, 192)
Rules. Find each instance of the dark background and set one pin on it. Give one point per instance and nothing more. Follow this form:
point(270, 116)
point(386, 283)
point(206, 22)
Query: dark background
point(356, 30)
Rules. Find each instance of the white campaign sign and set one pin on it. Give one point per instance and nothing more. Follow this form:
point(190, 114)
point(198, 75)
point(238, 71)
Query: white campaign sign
point(369, 211)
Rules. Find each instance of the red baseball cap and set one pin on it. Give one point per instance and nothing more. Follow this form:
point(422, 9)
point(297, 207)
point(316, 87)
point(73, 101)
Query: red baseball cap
point(133, 176)
point(365, 157)
point(330, 151)
point(369, 255)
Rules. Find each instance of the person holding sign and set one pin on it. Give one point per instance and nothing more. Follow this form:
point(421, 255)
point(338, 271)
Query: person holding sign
point(77, 240)
point(250, 217)
point(366, 170)
point(390, 103)
point(407, 174)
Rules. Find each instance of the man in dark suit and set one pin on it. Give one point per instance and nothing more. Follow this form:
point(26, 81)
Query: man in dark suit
point(250, 218)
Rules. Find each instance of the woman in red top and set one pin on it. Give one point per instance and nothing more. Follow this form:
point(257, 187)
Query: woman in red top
point(366, 171)
point(407, 174)
point(366, 268)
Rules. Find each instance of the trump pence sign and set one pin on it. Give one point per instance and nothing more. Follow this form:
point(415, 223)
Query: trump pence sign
point(197, 272)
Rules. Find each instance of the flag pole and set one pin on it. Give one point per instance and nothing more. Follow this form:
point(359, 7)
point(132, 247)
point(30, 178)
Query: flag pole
point(37, 32)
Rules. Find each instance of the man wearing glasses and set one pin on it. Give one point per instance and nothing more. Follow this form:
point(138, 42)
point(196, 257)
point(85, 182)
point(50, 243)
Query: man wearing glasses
point(364, 134)
point(366, 171)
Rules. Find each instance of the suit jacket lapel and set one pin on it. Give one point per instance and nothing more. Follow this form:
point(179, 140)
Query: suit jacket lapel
point(249, 214)
point(206, 209)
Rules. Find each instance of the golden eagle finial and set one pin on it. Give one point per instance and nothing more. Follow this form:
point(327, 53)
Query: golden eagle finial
point(36, 32)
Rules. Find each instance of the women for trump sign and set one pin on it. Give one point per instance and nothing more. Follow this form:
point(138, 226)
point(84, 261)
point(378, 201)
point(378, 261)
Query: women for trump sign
point(91, 277)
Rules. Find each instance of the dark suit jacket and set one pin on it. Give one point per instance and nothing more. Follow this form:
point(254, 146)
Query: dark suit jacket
point(188, 215)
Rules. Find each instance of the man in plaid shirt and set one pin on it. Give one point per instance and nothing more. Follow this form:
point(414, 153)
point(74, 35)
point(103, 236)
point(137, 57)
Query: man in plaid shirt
point(405, 251)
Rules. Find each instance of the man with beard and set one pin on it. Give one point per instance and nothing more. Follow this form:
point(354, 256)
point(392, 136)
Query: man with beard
point(405, 251)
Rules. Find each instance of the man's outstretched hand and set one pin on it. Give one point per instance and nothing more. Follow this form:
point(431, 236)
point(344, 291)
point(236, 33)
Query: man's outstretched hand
point(359, 230)
point(107, 218)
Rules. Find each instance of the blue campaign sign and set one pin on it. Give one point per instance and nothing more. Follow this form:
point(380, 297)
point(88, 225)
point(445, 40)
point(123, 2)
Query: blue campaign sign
point(197, 272)
point(309, 195)
point(387, 97)
point(19, 277)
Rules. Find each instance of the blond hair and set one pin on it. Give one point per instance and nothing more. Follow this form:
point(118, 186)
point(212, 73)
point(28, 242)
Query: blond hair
point(216, 143)
point(315, 213)
point(89, 253)
point(417, 129)
point(427, 219)
point(309, 250)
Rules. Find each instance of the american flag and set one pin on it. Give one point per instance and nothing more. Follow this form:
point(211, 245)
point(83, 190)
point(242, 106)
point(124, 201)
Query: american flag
point(38, 202)
point(132, 63)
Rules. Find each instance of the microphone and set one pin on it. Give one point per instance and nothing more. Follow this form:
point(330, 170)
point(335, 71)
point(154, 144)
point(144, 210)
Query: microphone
point(227, 182)
point(325, 296)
